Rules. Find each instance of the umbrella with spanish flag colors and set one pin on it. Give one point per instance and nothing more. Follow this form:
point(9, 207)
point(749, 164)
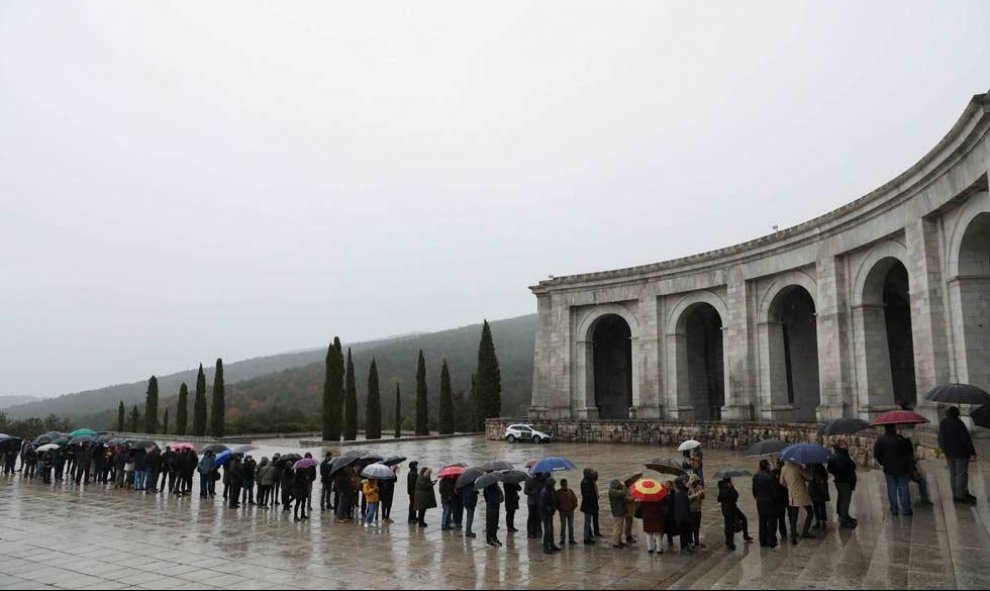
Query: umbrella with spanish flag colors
point(648, 490)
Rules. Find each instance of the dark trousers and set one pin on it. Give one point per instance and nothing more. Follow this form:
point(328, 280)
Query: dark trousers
point(412, 512)
point(792, 513)
point(421, 517)
point(729, 524)
point(595, 527)
point(843, 498)
point(300, 506)
point(768, 522)
point(821, 515)
point(534, 526)
point(326, 492)
point(491, 522)
point(548, 532)
point(387, 506)
point(510, 519)
point(263, 494)
point(234, 495)
point(685, 530)
point(696, 527)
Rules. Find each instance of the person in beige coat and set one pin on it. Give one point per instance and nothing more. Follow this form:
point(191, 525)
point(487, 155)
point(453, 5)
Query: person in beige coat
point(796, 478)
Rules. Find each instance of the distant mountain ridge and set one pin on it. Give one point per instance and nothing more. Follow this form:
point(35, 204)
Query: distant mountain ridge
point(8, 401)
point(296, 379)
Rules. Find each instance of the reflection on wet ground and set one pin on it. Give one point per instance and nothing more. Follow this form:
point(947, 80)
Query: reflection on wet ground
point(94, 537)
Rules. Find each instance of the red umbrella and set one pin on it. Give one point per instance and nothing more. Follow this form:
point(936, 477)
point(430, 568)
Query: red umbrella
point(900, 417)
point(451, 472)
point(647, 489)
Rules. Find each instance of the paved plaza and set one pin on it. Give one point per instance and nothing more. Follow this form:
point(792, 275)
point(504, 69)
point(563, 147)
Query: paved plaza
point(66, 537)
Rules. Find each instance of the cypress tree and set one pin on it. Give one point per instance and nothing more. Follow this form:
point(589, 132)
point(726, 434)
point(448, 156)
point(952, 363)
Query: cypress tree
point(445, 418)
point(350, 402)
point(488, 389)
point(199, 405)
point(333, 392)
point(398, 412)
point(151, 406)
point(135, 419)
point(422, 406)
point(218, 407)
point(182, 412)
point(373, 415)
point(165, 422)
point(475, 404)
point(120, 416)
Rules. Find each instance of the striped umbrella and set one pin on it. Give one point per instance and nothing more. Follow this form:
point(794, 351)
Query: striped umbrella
point(648, 490)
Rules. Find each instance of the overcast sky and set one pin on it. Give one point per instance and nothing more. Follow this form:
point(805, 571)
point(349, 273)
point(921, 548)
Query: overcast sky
point(186, 180)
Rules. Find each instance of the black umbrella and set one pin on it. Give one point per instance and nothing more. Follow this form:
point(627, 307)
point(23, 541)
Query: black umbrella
point(732, 473)
point(667, 466)
point(394, 460)
point(514, 476)
point(958, 394)
point(291, 457)
point(368, 459)
point(215, 448)
point(468, 477)
point(141, 444)
point(81, 440)
point(843, 426)
point(488, 479)
point(341, 463)
point(766, 447)
point(496, 466)
point(10, 443)
point(981, 416)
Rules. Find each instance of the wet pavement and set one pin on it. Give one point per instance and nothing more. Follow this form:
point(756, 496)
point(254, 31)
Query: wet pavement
point(94, 537)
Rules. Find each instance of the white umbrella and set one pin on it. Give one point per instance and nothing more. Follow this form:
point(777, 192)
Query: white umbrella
point(689, 445)
point(378, 472)
point(47, 447)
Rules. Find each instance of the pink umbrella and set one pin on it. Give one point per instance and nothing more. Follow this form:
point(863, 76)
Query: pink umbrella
point(304, 463)
point(900, 417)
point(451, 472)
point(182, 445)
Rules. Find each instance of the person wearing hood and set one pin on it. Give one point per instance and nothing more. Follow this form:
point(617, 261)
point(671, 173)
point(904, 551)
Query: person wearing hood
point(426, 498)
point(957, 445)
point(265, 477)
point(493, 499)
point(764, 489)
point(372, 495)
point(618, 496)
point(411, 480)
point(532, 489)
point(843, 470)
point(512, 491)
point(548, 507)
point(589, 505)
point(469, 496)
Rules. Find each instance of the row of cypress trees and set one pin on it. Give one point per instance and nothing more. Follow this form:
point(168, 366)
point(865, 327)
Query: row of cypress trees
point(199, 419)
point(340, 413)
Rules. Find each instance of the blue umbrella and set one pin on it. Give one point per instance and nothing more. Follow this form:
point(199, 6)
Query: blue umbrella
point(805, 454)
point(222, 458)
point(552, 464)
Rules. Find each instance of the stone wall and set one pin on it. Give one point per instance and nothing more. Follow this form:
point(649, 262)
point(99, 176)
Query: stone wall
point(737, 436)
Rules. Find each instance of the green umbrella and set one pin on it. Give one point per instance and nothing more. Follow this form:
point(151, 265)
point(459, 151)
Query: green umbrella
point(83, 432)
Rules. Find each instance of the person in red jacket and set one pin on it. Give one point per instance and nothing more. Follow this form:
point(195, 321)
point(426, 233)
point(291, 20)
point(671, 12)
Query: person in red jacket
point(566, 505)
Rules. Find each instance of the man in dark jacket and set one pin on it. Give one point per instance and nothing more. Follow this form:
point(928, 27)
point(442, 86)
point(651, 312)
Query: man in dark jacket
point(493, 498)
point(894, 453)
point(326, 483)
point(548, 508)
point(154, 466)
point(682, 515)
point(411, 479)
point(843, 469)
point(512, 491)
point(589, 504)
point(248, 481)
point(764, 489)
point(532, 490)
point(957, 445)
point(236, 471)
point(469, 496)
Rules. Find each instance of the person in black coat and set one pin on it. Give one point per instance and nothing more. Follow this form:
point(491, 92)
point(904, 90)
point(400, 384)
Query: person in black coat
point(895, 454)
point(764, 490)
point(288, 479)
point(818, 488)
point(342, 496)
point(236, 470)
point(780, 499)
point(682, 515)
point(386, 493)
point(411, 479)
point(532, 489)
point(732, 516)
point(302, 485)
point(512, 491)
point(493, 498)
point(547, 508)
point(589, 504)
point(843, 470)
point(957, 445)
point(248, 481)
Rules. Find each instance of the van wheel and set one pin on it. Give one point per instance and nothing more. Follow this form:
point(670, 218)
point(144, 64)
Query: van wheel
point(537, 440)
point(511, 438)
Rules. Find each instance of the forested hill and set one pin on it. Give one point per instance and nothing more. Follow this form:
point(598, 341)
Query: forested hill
point(295, 380)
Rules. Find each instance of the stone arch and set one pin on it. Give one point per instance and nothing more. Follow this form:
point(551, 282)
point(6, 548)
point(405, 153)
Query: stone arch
point(591, 363)
point(969, 284)
point(789, 371)
point(697, 356)
point(883, 339)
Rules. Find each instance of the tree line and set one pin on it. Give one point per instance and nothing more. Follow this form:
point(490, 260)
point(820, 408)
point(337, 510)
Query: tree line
point(457, 412)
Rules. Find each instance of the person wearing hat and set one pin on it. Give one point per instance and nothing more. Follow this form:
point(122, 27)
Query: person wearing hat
point(957, 445)
point(843, 471)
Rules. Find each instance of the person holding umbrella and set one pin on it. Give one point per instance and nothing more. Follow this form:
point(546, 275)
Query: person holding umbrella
point(493, 499)
point(386, 490)
point(957, 445)
point(469, 496)
point(512, 490)
point(372, 495)
point(548, 506)
point(796, 478)
point(532, 489)
point(764, 488)
point(843, 470)
point(893, 452)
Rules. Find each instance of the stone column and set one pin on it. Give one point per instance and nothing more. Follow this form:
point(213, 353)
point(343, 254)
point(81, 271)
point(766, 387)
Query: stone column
point(832, 342)
point(678, 398)
point(774, 403)
point(874, 383)
point(736, 338)
point(647, 383)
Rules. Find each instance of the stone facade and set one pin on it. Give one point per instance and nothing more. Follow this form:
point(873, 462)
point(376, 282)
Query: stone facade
point(807, 314)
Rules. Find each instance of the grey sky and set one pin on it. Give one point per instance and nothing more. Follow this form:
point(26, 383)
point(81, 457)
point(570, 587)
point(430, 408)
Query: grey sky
point(185, 180)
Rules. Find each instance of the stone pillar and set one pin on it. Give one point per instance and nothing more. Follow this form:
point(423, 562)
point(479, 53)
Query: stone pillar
point(929, 331)
point(551, 397)
point(679, 407)
point(736, 339)
point(648, 385)
point(774, 403)
point(832, 342)
point(874, 383)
